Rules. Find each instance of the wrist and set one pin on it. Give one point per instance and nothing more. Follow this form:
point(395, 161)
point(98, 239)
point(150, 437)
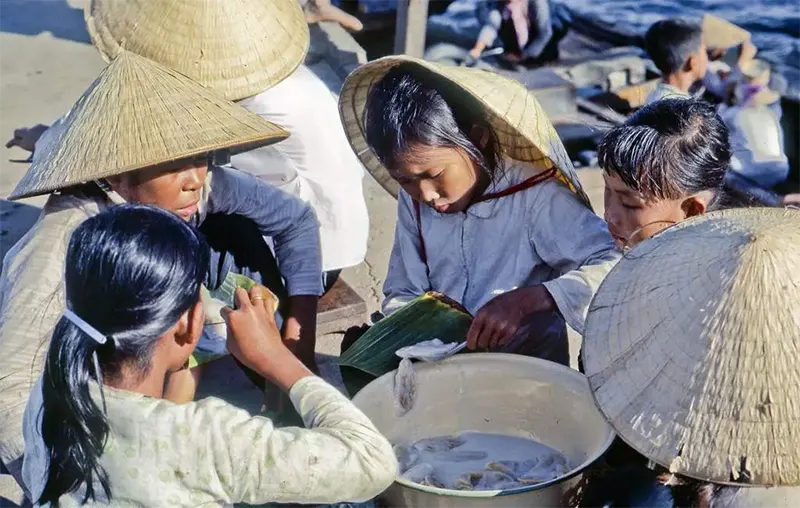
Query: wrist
point(281, 368)
point(536, 299)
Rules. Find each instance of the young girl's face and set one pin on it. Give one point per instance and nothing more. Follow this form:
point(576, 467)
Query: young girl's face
point(633, 217)
point(446, 179)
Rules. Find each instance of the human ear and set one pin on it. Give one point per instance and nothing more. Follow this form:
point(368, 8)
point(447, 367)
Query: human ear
point(189, 327)
point(694, 206)
point(480, 136)
point(196, 317)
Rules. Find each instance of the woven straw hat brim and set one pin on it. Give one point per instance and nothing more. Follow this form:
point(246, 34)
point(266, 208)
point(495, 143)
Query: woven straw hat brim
point(523, 129)
point(722, 34)
point(691, 347)
point(758, 72)
point(139, 114)
point(238, 48)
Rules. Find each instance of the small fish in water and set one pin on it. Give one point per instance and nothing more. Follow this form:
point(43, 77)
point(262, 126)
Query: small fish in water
point(548, 468)
point(439, 444)
point(462, 455)
point(432, 481)
point(495, 480)
point(405, 387)
point(407, 456)
point(513, 468)
point(467, 481)
point(418, 472)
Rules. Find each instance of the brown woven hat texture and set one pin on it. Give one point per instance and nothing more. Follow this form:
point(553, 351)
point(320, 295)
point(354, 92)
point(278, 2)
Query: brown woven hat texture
point(722, 34)
point(522, 127)
point(238, 48)
point(692, 347)
point(138, 114)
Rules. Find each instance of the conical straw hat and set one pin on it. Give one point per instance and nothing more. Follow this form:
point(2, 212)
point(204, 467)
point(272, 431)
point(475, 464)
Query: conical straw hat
point(523, 129)
point(692, 347)
point(138, 114)
point(238, 48)
point(722, 34)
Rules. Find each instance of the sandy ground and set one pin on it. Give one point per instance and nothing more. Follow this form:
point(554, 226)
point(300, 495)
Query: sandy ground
point(46, 62)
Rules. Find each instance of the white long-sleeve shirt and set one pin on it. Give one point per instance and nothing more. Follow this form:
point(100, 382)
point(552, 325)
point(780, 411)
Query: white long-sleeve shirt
point(31, 284)
point(315, 163)
point(209, 453)
point(541, 235)
point(757, 142)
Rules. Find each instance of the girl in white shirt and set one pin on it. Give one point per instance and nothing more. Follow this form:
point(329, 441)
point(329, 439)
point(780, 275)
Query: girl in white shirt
point(97, 428)
point(490, 212)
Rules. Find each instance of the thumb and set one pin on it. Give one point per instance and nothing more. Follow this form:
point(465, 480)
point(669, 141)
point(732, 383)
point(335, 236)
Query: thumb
point(226, 312)
point(474, 332)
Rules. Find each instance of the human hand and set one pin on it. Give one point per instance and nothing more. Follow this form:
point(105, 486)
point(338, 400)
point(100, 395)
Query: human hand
point(254, 339)
point(322, 10)
point(499, 320)
point(26, 137)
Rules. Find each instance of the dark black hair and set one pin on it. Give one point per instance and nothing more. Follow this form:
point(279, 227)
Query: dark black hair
point(669, 149)
point(412, 106)
point(131, 272)
point(629, 486)
point(670, 43)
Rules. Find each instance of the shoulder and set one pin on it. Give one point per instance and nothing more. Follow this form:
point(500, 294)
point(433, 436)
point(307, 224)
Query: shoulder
point(302, 87)
point(49, 236)
point(128, 409)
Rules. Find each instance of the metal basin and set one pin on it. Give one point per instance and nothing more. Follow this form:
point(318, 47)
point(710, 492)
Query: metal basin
point(497, 393)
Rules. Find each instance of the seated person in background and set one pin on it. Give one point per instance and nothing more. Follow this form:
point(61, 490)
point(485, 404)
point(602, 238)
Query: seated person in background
point(721, 78)
point(754, 122)
point(666, 163)
point(97, 426)
point(729, 49)
point(523, 27)
point(513, 241)
point(156, 155)
point(676, 47)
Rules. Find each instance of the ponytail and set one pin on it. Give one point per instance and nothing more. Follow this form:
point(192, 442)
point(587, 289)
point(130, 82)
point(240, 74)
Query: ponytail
point(73, 427)
point(130, 273)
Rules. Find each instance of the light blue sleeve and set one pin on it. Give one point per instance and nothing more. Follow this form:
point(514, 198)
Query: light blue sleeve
point(290, 222)
point(575, 242)
point(407, 277)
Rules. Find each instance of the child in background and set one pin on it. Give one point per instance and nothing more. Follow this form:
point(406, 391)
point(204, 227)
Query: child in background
point(97, 426)
point(677, 48)
point(666, 163)
point(490, 213)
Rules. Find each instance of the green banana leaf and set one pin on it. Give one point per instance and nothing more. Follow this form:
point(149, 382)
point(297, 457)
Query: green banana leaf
point(430, 316)
point(232, 282)
point(214, 301)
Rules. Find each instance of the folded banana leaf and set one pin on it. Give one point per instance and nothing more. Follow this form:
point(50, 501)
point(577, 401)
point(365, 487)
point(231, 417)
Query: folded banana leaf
point(430, 316)
point(213, 303)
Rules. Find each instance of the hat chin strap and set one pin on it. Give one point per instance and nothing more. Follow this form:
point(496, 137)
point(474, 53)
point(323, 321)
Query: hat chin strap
point(109, 191)
point(627, 247)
